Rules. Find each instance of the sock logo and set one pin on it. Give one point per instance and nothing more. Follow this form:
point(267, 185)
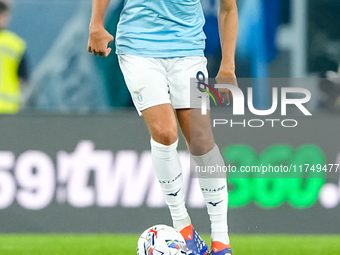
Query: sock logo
point(213, 190)
point(215, 204)
point(175, 194)
point(168, 182)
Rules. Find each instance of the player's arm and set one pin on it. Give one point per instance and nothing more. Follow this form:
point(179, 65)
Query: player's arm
point(23, 70)
point(228, 25)
point(99, 38)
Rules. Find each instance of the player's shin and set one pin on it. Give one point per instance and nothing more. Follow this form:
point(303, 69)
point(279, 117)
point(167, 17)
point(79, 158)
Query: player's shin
point(169, 173)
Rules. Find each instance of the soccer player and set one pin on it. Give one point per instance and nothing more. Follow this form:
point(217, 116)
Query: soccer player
point(160, 47)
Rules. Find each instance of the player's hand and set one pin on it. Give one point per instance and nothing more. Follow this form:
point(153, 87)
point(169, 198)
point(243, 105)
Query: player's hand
point(99, 40)
point(229, 78)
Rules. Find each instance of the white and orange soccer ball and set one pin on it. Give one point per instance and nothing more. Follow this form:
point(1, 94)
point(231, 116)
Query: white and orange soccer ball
point(161, 240)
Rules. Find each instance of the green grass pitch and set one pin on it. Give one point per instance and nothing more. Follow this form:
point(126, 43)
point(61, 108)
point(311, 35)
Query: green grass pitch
point(126, 244)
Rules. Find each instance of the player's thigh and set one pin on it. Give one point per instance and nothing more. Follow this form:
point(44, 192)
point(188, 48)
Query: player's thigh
point(182, 80)
point(197, 130)
point(161, 122)
point(146, 80)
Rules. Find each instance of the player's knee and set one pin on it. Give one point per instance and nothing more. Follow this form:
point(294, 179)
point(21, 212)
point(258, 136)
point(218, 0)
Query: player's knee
point(164, 134)
point(201, 143)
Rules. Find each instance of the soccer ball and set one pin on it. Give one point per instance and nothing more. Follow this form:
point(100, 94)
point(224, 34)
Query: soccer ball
point(161, 240)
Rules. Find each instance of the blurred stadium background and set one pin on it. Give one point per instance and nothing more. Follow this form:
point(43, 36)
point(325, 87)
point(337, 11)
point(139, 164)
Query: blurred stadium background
point(75, 158)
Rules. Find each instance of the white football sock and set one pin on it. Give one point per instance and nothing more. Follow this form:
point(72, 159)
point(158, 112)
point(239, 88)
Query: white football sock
point(215, 194)
point(169, 173)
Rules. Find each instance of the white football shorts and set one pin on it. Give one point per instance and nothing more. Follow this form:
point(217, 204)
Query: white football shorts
point(156, 81)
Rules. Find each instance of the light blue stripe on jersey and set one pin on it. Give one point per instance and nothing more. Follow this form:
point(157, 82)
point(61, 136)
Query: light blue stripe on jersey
point(161, 28)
